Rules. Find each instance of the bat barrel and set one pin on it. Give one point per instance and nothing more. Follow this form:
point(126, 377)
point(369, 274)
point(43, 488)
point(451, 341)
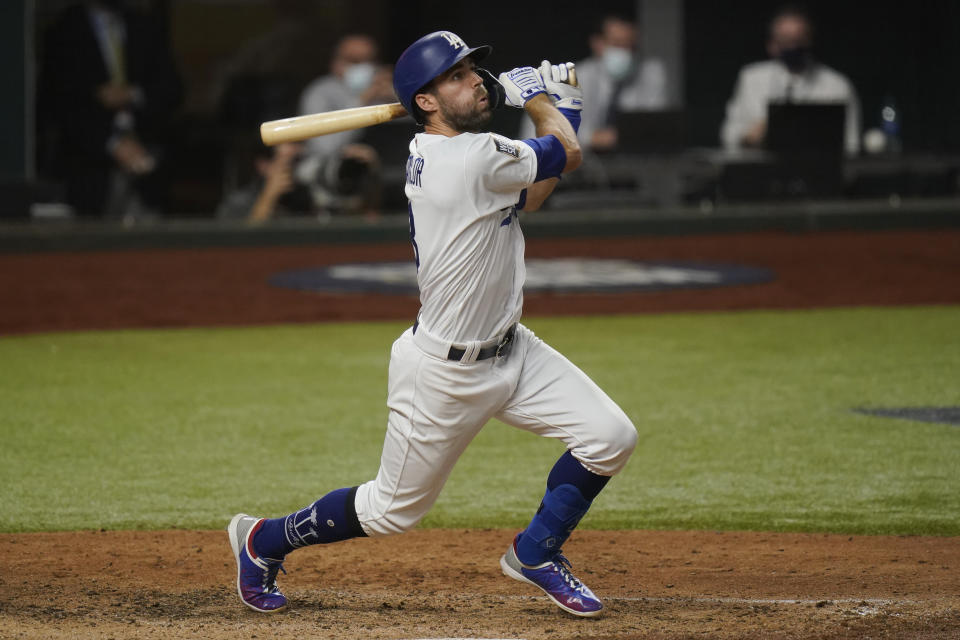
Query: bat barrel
point(318, 124)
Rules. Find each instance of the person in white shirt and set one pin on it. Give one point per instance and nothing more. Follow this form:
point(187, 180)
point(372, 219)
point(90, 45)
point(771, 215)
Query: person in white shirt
point(792, 74)
point(467, 358)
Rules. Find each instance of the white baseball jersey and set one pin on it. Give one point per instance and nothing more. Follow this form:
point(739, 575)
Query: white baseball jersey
point(463, 193)
point(463, 225)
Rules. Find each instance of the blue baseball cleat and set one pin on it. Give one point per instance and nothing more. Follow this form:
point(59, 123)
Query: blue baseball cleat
point(555, 579)
point(256, 576)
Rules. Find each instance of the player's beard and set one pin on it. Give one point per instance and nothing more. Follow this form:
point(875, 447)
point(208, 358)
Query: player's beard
point(470, 118)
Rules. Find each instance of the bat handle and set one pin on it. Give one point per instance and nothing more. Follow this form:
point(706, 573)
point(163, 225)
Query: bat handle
point(572, 77)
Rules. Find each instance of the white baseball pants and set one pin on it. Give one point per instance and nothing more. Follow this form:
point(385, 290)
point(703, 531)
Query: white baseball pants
point(438, 406)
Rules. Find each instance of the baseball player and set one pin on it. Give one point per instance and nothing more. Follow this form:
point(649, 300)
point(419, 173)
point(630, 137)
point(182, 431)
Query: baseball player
point(467, 358)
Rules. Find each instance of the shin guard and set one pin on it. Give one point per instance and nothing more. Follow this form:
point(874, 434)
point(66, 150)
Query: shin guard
point(561, 510)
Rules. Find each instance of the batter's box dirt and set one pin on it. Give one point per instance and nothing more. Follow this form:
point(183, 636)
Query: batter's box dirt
point(442, 584)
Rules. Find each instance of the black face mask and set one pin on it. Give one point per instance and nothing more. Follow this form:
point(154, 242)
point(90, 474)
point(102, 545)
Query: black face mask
point(797, 59)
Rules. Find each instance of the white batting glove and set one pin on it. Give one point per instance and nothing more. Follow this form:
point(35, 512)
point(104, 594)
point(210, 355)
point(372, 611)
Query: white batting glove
point(521, 84)
point(556, 79)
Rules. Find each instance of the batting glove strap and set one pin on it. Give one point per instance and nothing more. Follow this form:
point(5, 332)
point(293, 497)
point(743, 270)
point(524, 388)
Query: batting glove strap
point(521, 84)
point(572, 116)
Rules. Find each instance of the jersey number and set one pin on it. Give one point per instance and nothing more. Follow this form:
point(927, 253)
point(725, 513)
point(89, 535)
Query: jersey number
point(413, 234)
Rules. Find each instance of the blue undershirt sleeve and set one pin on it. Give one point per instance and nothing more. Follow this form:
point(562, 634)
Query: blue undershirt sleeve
point(551, 156)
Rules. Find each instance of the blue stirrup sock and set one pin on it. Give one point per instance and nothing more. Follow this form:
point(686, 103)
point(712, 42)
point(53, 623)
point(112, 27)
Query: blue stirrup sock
point(330, 519)
point(571, 489)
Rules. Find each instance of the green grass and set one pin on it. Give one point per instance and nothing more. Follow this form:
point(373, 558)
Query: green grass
point(744, 422)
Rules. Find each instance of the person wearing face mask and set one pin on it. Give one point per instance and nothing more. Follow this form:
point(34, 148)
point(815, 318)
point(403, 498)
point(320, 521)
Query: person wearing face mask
point(342, 171)
point(617, 79)
point(792, 74)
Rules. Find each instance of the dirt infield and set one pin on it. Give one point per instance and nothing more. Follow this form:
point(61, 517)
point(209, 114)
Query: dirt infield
point(443, 584)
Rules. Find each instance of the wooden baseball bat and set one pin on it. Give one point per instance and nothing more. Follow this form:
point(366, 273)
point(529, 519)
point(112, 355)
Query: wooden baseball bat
point(319, 124)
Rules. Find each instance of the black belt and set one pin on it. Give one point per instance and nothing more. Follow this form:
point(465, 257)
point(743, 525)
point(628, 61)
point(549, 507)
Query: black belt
point(499, 350)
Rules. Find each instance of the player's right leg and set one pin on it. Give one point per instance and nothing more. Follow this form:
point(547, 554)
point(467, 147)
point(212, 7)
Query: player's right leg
point(554, 398)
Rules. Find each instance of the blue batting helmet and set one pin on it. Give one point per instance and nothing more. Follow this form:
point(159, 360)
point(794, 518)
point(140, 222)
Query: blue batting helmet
point(426, 59)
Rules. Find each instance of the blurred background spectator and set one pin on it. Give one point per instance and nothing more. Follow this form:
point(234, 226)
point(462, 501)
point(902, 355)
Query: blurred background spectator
point(107, 93)
point(658, 75)
point(616, 78)
point(344, 172)
point(272, 190)
point(276, 50)
point(791, 75)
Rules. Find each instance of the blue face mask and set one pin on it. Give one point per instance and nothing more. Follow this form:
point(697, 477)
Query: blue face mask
point(359, 76)
point(618, 62)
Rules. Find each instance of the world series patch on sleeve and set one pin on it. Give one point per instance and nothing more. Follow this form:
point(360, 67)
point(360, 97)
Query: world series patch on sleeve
point(505, 145)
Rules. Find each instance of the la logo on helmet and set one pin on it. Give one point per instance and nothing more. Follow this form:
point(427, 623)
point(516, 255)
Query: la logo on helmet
point(453, 39)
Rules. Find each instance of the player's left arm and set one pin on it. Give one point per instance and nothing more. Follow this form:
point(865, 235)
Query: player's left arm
point(558, 116)
point(550, 128)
